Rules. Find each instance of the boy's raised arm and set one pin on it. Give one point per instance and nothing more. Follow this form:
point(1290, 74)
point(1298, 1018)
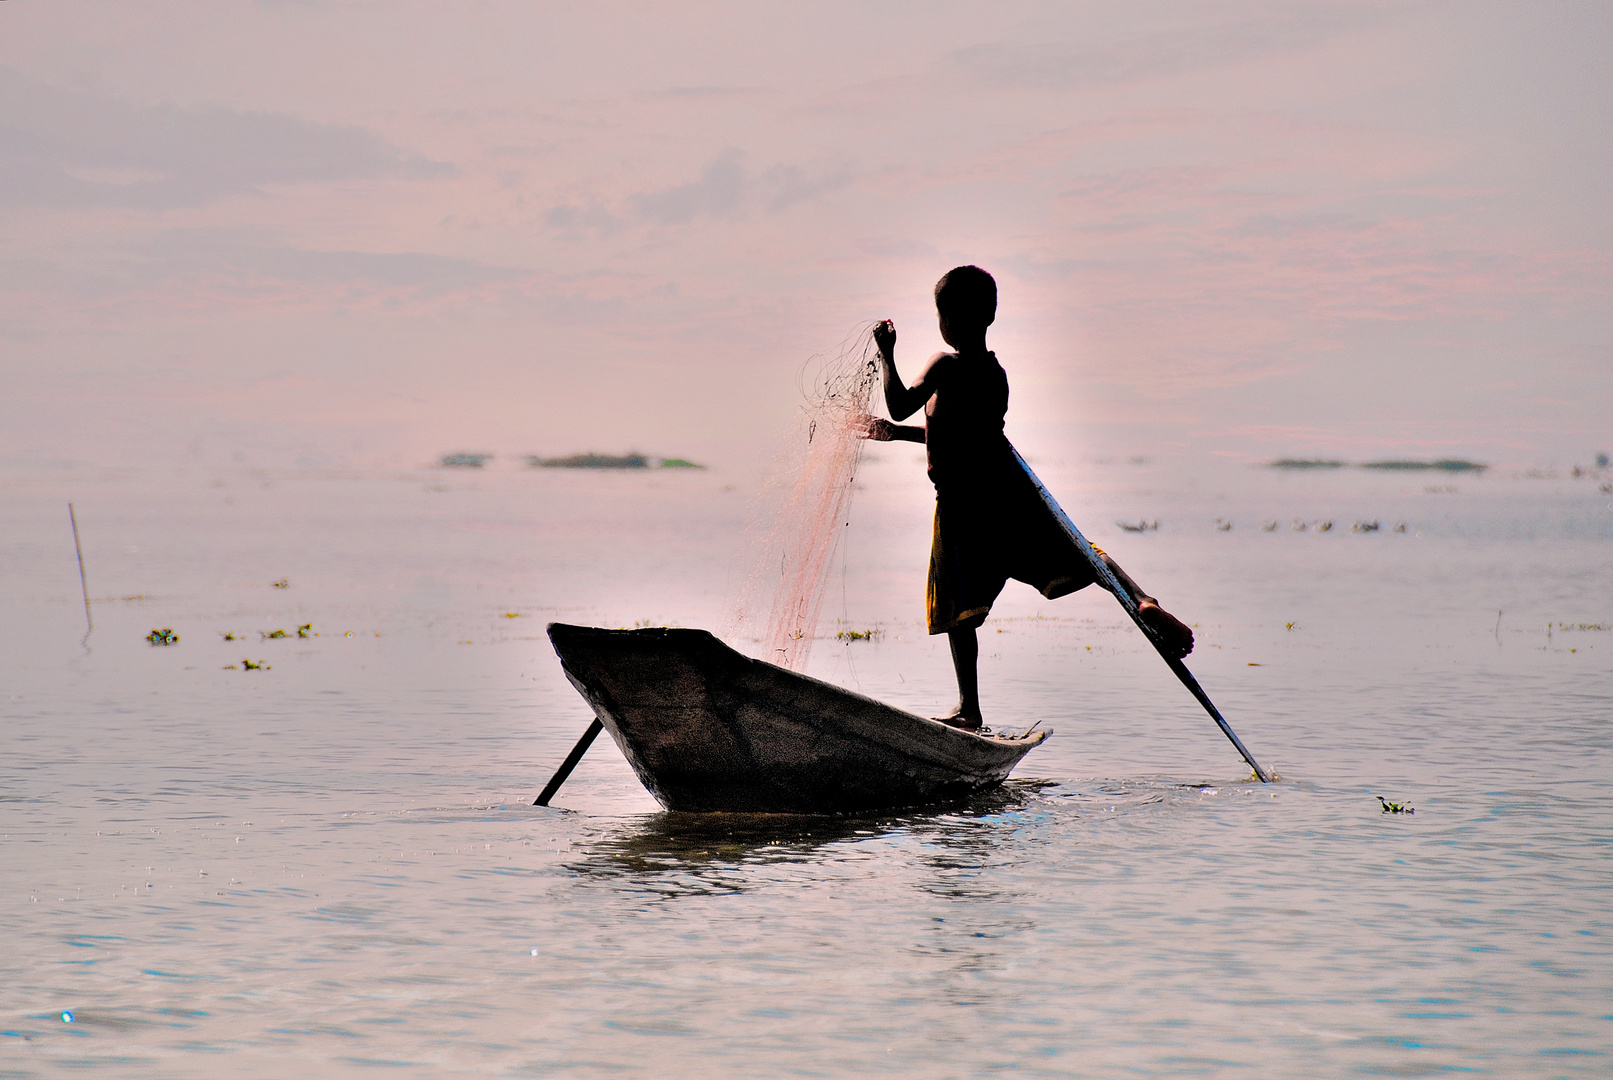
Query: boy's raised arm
point(902, 401)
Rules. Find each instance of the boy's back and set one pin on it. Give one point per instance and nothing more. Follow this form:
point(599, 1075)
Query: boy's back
point(963, 420)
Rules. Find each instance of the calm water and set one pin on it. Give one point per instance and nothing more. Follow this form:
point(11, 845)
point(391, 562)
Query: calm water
point(330, 865)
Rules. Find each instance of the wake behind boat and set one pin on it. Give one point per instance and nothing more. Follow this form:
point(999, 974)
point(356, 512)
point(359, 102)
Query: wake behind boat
point(708, 729)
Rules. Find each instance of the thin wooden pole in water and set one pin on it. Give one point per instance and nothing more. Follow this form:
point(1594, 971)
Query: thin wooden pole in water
point(570, 763)
point(1107, 577)
point(82, 583)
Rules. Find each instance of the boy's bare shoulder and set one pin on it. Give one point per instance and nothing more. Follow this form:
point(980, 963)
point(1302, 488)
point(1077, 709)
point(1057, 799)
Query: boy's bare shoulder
point(938, 363)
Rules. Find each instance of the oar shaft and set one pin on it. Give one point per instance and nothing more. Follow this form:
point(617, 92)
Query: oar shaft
point(1197, 691)
point(83, 584)
point(570, 763)
point(1107, 577)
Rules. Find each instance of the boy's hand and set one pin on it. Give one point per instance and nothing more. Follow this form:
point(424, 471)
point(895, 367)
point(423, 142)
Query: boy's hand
point(875, 428)
point(885, 338)
point(1172, 631)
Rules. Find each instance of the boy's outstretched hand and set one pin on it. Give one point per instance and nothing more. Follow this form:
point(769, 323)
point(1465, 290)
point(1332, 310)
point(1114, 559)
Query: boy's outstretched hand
point(1172, 631)
point(874, 427)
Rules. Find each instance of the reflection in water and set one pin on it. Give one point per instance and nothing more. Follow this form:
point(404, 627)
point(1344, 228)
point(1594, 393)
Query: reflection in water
point(673, 854)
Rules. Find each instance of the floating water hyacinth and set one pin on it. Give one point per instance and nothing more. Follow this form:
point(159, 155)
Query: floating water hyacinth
point(165, 636)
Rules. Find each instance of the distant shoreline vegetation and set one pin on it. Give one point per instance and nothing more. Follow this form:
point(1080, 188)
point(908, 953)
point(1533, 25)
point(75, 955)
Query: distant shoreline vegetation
point(1391, 465)
point(464, 461)
point(630, 460)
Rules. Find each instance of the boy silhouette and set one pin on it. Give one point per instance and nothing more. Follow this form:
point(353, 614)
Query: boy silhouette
point(990, 523)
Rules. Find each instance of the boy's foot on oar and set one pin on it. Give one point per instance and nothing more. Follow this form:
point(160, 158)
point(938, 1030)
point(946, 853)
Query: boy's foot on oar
point(1172, 631)
point(959, 719)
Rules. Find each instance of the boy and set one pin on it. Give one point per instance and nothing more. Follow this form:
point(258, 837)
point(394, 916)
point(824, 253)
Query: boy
point(990, 523)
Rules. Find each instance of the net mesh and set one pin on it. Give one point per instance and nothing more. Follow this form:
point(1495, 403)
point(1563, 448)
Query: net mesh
point(795, 542)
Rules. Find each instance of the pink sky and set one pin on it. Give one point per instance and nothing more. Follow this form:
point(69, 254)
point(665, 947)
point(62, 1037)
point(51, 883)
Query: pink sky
point(356, 233)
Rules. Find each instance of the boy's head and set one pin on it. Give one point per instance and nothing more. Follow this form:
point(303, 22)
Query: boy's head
point(966, 299)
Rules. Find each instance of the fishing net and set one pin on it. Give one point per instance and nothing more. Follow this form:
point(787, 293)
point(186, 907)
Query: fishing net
point(808, 497)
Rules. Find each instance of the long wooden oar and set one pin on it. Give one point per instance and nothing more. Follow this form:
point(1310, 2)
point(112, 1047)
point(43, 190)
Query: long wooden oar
point(89, 623)
point(1107, 577)
point(570, 763)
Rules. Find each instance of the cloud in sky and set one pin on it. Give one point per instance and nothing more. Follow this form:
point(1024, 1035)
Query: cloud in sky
point(558, 225)
point(69, 147)
point(725, 188)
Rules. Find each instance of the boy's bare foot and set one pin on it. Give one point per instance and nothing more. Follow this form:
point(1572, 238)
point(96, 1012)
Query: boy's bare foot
point(1172, 631)
point(959, 719)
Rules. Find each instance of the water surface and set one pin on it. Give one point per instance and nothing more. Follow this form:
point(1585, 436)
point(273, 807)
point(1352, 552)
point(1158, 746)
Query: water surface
point(331, 866)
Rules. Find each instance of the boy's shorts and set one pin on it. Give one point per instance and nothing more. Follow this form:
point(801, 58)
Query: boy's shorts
point(984, 537)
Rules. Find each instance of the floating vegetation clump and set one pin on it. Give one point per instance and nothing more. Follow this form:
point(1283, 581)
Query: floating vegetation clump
point(465, 461)
point(1365, 526)
point(271, 635)
point(1141, 526)
point(1391, 464)
point(165, 636)
point(305, 630)
point(1394, 807)
point(281, 584)
point(859, 635)
point(1412, 465)
point(630, 460)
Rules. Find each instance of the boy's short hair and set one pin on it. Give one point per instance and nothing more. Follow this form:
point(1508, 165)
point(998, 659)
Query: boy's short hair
point(968, 295)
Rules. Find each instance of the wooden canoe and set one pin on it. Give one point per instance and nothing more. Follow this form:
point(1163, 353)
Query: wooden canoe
point(708, 729)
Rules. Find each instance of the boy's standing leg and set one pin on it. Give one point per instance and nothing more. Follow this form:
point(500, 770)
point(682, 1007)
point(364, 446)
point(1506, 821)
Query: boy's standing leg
point(966, 662)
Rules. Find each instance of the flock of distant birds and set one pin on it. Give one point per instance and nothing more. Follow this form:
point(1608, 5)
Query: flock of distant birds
point(1272, 525)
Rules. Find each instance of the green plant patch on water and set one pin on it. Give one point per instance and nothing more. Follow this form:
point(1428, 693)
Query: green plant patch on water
point(165, 636)
point(859, 635)
point(1390, 464)
point(271, 635)
point(1441, 465)
point(630, 460)
point(1394, 807)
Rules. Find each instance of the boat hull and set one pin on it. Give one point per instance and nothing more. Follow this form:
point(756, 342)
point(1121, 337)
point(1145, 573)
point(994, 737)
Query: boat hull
point(708, 729)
